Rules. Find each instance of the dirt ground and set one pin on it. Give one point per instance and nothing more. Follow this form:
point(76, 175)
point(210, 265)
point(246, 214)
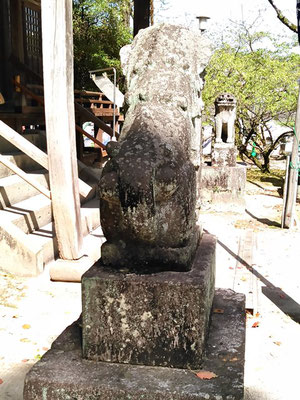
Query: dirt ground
point(34, 311)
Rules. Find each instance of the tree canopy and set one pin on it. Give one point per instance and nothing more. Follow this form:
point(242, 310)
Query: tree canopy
point(264, 82)
point(101, 28)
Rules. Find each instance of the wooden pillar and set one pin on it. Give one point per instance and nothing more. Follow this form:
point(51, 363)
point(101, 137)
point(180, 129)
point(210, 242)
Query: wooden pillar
point(141, 17)
point(60, 124)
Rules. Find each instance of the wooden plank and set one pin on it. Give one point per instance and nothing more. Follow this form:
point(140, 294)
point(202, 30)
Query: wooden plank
point(60, 122)
point(87, 100)
point(24, 145)
point(87, 93)
point(244, 280)
point(33, 152)
point(25, 176)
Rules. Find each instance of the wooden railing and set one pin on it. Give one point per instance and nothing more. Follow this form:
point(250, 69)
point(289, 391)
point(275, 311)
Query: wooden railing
point(85, 112)
point(25, 177)
point(33, 152)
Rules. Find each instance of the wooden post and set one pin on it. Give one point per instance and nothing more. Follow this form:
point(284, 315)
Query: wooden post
point(141, 18)
point(294, 172)
point(60, 124)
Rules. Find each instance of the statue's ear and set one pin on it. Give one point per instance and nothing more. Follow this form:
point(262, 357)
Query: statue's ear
point(112, 149)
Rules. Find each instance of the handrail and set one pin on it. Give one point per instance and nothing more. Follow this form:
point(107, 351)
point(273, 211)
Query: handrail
point(40, 100)
point(80, 130)
point(25, 68)
point(82, 100)
point(34, 152)
point(25, 177)
point(87, 93)
point(91, 117)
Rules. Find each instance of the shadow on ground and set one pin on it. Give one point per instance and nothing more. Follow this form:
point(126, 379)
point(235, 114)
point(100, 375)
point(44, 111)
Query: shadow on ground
point(278, 297)
point(265, 221)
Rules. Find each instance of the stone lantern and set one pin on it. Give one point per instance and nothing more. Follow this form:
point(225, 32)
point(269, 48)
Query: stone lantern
point(203, 20)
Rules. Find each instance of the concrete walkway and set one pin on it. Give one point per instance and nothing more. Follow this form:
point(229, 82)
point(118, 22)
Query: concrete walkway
point(34, 311)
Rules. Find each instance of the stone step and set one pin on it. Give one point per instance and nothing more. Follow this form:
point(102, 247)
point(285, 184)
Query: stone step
point(45, 237)
point(30, 214)
point(13, 189)
point(34, 136)
point(21, 160)
point(27, 254)
point(33, 213)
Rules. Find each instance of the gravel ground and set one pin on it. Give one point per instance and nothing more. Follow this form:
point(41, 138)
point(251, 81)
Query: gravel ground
point(35, 311)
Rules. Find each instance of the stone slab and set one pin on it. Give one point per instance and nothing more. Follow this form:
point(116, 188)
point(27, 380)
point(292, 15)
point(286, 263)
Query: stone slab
point(157, 319)
point(223, 187)
point(62, 373)
point(224, 154)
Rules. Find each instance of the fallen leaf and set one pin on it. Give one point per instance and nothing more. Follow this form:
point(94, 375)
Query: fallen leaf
point(277, 343)
point(255, 325)
point(24, 340)
point(45, 348)
point(234, 359)
point(25, 360)
point(257, 314)
point(26, 326)
point(15, 316)
point(243, 279)
point(1, 381)
point(282, 296)
point(207, 375)
point(231, 268)
point(218, 311)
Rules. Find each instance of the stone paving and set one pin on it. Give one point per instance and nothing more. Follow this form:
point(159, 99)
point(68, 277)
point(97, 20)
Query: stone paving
point(35, 311)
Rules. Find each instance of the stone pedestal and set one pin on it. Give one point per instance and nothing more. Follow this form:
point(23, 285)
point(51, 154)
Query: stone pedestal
point(224, 155)
point(223, 187)
point(63, 374)
point(159, 319)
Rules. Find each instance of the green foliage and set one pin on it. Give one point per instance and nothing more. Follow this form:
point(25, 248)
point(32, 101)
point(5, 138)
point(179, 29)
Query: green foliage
point(264, 82)
point(101, 28)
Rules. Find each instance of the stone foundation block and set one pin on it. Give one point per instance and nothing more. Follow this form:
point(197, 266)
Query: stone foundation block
point(224, 154)
point(223, 187)
point(62, 373)
point(157, 319)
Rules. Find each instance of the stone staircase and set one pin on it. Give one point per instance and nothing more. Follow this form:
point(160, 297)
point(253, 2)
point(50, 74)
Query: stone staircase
point(27, 235)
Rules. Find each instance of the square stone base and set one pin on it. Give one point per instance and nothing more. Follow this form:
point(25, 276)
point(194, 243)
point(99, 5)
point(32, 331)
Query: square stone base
point(223, 188)
point(223, 155)
point(62, 373)
point(157, 319)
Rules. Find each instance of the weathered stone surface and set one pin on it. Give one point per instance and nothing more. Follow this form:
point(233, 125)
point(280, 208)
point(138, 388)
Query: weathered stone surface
point(148, 187)
point(224, 187)
point(157, 319)
point(62, 374)
point(223, 155)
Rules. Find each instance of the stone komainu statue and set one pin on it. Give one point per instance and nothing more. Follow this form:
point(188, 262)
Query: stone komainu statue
point(225, 105)
point(148, 187)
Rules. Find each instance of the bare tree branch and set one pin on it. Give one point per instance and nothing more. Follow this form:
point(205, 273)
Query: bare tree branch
point(282, 18)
